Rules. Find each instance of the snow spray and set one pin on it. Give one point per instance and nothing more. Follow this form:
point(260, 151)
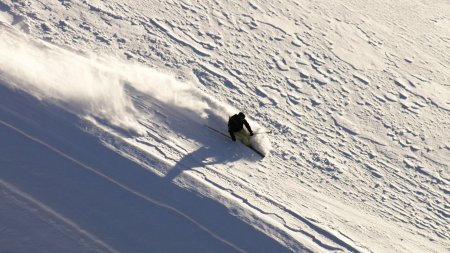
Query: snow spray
point(92, 85)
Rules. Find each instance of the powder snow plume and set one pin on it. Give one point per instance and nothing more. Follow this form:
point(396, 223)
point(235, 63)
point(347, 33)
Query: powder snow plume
point(92, 85)
point(96, 86)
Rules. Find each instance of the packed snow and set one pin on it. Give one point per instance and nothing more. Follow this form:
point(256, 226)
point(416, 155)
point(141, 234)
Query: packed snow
point(106, 110)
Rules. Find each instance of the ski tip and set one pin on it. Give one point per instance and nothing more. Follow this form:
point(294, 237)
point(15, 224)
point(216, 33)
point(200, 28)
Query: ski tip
point(257, 152)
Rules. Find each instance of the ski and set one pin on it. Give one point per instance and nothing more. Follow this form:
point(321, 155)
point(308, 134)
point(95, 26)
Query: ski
point(256, 151)
point(228, 137)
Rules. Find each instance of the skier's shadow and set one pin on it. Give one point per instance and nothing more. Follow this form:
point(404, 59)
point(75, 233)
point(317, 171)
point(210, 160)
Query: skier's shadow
point(183, 121)
point(207, 155)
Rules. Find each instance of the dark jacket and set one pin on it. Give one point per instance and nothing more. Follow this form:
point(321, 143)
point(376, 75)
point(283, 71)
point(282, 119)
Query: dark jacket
point(235, 124)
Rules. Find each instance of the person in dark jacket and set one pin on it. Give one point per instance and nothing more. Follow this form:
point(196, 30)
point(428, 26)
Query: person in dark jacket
point(236, 128)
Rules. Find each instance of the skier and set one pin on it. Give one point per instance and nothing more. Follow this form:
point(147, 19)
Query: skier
point(236, 128)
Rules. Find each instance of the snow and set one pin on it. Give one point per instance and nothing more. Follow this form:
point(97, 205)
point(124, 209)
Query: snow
point(104, 148)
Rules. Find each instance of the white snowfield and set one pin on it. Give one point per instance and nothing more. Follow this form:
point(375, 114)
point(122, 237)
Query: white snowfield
point(104, 108)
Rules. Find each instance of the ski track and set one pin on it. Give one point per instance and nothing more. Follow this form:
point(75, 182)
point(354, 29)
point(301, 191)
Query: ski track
point(122, 186)
point(358, 119)
point(12, 190)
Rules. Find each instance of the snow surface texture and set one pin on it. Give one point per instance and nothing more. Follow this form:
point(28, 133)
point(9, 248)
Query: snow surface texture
point(356, 94)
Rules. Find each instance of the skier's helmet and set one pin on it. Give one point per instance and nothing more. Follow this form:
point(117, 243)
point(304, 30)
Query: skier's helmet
point(241, 116)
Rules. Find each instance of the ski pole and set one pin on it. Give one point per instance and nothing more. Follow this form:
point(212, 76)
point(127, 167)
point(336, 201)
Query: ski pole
point(268, 132)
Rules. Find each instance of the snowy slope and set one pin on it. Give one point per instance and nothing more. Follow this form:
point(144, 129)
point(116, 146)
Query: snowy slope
point(113, 96)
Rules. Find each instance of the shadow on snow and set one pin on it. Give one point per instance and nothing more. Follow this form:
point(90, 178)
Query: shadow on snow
point(45, 154)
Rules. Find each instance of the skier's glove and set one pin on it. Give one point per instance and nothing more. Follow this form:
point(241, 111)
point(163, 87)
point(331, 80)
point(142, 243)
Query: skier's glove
point(251, 133)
